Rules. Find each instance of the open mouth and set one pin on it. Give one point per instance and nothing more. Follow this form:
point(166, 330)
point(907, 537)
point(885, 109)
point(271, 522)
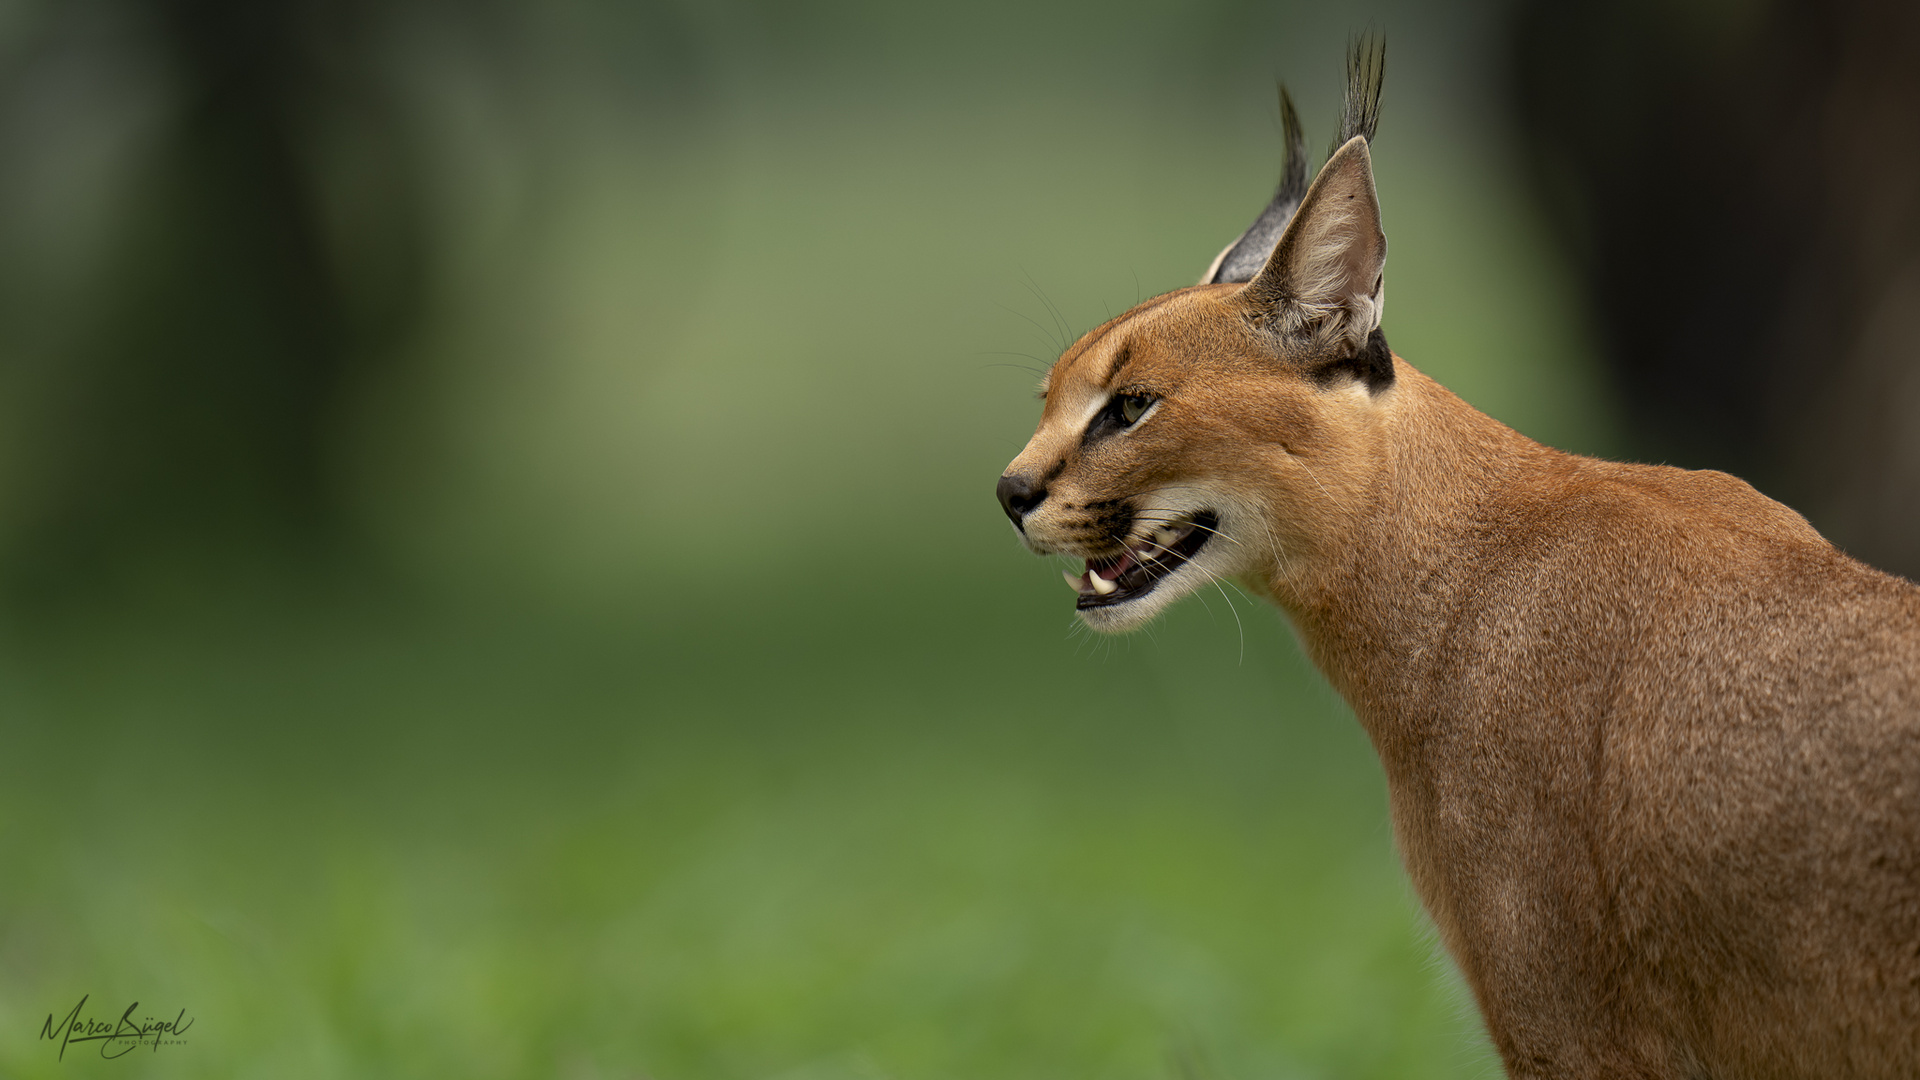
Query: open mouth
point(1144, 563)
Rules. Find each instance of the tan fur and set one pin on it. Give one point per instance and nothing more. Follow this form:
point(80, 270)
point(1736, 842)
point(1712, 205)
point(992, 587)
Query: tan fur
point(1652, 744)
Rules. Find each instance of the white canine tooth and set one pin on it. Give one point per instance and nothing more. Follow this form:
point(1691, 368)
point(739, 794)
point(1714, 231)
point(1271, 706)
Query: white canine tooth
point(1078, 581)
point(1100, 585)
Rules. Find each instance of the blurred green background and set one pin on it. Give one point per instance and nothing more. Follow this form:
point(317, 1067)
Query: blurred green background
point(502, 577)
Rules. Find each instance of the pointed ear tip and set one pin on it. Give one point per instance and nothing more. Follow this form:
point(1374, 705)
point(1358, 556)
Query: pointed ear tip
point(1355, 147)
point(1353, 159)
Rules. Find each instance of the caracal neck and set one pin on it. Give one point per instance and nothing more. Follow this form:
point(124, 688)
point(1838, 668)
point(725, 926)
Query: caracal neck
point(1378, 592)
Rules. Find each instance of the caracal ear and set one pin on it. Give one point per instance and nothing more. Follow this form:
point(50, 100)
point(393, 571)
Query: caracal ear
point(1324, 282)
point(1242, 259)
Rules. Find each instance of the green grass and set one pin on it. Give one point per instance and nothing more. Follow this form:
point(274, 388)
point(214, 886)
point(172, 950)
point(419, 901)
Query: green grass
point(360, 838)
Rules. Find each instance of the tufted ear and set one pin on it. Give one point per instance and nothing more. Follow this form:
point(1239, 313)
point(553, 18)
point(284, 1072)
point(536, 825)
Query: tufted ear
point(1242, 259)
point(1324, 281)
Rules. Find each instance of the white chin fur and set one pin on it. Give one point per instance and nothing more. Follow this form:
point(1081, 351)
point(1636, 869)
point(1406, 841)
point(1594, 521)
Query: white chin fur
point(1133, 614)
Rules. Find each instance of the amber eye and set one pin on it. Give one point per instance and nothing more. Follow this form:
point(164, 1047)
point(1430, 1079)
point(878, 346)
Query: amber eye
point(1133, 407)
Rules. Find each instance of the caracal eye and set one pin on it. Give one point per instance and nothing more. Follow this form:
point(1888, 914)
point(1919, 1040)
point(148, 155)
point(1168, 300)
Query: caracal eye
point(1133, 406)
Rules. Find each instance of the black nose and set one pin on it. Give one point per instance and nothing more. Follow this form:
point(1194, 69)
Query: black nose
point(1019, 494)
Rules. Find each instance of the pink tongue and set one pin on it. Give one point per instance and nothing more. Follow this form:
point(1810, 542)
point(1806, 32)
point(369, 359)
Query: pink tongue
point(1112, 572)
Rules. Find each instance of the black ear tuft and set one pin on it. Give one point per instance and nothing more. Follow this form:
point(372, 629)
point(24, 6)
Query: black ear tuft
point(1246, 256)
point(1293, 171)
point(1366, 71)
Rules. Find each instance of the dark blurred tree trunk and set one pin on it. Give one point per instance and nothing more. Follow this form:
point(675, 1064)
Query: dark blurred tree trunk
point(197, 409)
point(1741, 187)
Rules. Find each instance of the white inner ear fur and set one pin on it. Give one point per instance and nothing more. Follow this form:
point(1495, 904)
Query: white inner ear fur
point(1338, 288)
point(1334, 254)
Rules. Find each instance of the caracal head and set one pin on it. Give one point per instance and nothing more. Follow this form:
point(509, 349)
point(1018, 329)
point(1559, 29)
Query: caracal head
point(1222, 432)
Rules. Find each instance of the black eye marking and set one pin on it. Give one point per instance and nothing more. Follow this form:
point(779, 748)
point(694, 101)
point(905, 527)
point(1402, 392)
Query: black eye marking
point(1121, 412)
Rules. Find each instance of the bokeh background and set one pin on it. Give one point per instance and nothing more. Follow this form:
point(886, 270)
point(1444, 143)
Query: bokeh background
point(498, 574)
